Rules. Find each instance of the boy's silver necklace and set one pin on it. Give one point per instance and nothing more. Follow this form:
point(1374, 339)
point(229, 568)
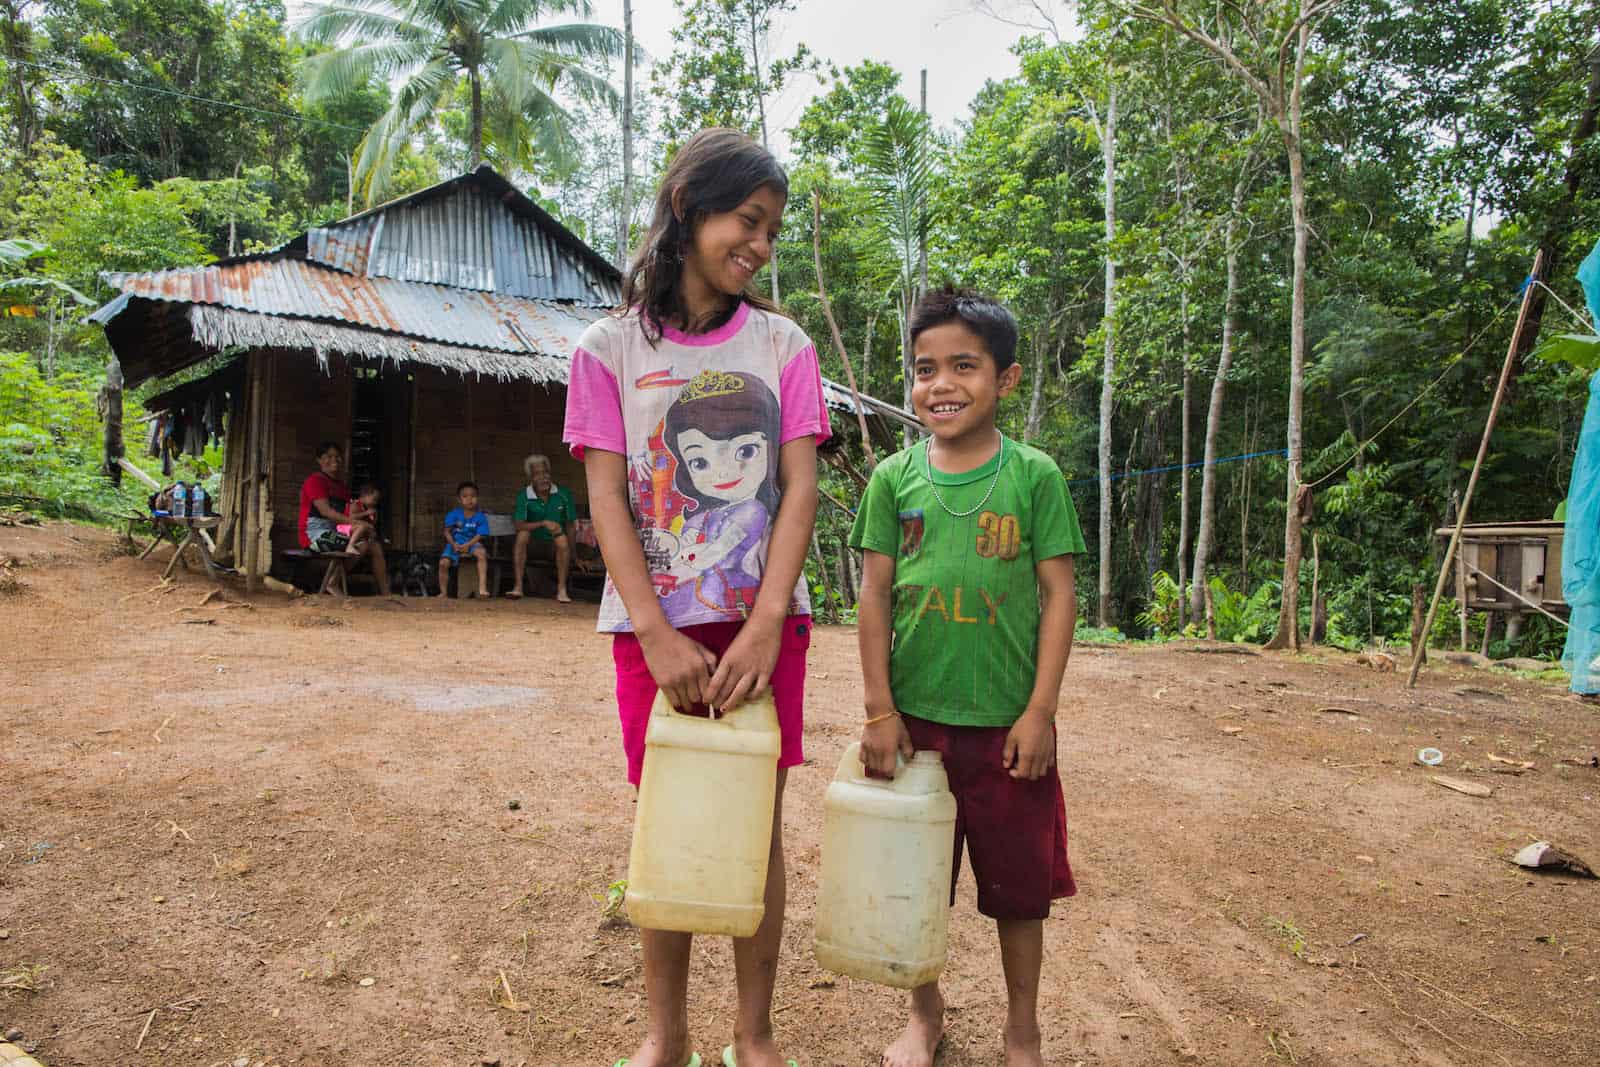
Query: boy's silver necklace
point(927, 462)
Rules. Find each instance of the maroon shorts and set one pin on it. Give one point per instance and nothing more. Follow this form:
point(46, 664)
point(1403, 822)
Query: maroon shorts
point(1015, 830)
point(636, 689)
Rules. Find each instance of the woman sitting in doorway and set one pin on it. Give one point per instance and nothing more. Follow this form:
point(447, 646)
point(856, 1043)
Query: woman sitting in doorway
point(324, 500)
point(544, 517)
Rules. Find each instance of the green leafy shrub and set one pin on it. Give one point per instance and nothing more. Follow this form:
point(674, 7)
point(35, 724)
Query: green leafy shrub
point(1241, 618)
point(50, 443)
point(1098, 635)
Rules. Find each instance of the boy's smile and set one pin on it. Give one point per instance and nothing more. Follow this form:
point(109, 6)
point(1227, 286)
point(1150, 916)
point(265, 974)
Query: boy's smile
point(956, 388)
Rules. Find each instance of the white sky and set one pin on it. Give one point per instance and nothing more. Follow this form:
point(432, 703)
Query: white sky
point(960, 48)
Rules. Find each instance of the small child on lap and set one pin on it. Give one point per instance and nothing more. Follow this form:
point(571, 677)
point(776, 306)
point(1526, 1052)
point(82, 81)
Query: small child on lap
point(363, 516)
point(966, 619)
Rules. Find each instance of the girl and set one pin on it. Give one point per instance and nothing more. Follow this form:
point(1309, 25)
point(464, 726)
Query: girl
point(696, 411)
point(363, 516)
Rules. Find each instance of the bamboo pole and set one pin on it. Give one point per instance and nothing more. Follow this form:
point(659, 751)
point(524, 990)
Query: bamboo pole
point(252, 504)
point(833, 327)
point(1477, 466)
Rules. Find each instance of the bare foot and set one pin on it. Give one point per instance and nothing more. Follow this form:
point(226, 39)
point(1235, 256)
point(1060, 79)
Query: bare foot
point(1023, 1048)
point(660, 1052)
point(515, 594)
point(919, 1042)
point(561, 595)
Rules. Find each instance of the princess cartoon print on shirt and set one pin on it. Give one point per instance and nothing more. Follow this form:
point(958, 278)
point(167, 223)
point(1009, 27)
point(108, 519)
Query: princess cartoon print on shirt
point(721, 438)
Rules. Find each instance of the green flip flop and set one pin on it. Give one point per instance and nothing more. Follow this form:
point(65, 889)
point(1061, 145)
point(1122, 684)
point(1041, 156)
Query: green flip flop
point(694, 1061)
point(727, 1058)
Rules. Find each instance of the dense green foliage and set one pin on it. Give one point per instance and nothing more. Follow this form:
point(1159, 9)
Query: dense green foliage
point(1443, 145)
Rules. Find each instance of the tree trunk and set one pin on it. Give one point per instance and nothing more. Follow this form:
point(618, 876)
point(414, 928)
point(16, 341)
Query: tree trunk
point(1030, 428)
point(905, 361)
point(625, 211)
point(922, 218)
point(111, 414)
point(761, 109)
point(17, 34)
point(475, 135)
point(1108, 152)
point(1183, 492)
point(233, 214)
point(866, 355)
point(1288, 635)
point(1419, 600)
point(1219, 388)
point(832, 611)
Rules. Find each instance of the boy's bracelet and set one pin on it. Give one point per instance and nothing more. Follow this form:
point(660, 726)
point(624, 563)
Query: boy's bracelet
point(880, 718)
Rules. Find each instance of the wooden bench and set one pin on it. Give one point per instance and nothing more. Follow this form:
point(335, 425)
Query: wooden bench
point(335, 572)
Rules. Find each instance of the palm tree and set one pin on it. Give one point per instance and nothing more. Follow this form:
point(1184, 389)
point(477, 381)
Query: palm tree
point(491, 51)
point(897, 169)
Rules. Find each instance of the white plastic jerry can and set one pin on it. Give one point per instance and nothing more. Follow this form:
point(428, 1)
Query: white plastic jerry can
point(703, 829)
point(883, 908)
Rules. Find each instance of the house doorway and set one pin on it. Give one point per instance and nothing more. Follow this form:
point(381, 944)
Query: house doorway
point(381, 446)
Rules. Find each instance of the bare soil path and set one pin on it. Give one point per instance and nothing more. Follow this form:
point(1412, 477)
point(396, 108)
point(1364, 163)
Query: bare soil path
point(286, 830)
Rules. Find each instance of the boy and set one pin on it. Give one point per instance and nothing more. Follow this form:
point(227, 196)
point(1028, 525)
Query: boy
point(966, 619)
point(464, 530)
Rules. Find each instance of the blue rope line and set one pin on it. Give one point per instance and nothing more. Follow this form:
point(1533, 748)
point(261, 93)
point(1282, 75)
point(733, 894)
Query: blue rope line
point(1181, 466)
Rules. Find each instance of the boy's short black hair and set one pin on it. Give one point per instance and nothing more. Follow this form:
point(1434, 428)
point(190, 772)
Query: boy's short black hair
point(983, 315)
point(372, 487)
point(466, 485)
point(324, 447)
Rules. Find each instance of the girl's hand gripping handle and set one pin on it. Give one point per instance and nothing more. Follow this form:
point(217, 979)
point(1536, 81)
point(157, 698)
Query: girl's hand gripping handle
point(680, 665)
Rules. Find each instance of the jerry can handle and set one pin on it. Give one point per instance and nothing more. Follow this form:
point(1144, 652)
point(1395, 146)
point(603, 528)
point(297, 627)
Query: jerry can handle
point(851, 769)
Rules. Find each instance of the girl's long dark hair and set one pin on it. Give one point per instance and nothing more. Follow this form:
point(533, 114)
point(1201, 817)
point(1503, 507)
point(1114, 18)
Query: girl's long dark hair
point(715, 171)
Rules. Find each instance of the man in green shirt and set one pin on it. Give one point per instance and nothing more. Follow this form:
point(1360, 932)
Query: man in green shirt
point(544, 516)
point(966, 620)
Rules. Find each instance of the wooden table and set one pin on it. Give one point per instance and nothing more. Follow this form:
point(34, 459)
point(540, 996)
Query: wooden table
point(167, 529)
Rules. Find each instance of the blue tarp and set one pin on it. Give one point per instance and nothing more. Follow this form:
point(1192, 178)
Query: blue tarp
point(1580, 550)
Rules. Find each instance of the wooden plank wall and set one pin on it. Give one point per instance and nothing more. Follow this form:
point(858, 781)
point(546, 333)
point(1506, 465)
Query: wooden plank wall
point(479, 429)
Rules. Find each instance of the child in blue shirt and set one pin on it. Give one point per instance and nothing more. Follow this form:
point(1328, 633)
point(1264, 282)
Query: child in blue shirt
point(464, 531)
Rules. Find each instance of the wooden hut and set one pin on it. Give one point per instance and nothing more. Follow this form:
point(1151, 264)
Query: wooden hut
point(430, 336)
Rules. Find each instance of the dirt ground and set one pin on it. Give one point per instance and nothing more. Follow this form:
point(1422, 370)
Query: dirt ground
point(283, 833)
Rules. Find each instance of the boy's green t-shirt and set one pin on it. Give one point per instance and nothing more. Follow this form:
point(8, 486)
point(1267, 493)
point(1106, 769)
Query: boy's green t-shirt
point(966, 598)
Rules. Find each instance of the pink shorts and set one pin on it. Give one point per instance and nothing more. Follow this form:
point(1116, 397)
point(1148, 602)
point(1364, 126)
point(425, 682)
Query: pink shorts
point(344, 528)
point(1015, 830)
point(636, 689)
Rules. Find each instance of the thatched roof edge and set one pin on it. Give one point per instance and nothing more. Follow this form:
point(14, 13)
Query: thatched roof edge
point(218, 328)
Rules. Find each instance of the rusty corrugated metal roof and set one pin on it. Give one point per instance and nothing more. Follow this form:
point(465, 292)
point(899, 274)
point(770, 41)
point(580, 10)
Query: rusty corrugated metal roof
point(298, 289)
point(473, 232)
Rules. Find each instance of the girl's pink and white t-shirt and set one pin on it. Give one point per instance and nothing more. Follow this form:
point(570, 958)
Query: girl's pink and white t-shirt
point(700, 418)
